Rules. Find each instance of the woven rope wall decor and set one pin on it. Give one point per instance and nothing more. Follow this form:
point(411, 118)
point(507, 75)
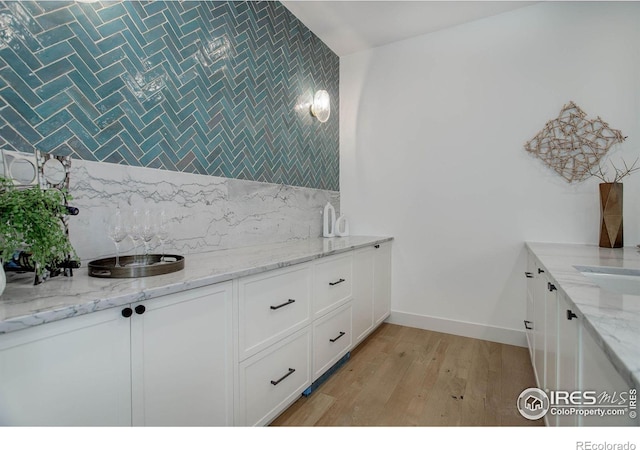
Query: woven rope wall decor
point(573, 145)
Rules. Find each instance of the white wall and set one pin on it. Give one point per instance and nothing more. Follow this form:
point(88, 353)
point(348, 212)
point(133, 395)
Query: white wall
point(432, 135)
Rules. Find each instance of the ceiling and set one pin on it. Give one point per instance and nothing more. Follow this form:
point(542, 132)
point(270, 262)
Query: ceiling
point(352, 26)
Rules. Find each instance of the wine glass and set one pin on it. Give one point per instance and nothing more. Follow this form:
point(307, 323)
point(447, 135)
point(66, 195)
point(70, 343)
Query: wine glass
point(135, 232)
point(162, 231)
point(117, 232)
point(147, 230)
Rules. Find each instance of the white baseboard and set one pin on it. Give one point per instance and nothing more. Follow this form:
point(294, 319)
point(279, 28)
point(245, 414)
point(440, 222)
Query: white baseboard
point(459, 328)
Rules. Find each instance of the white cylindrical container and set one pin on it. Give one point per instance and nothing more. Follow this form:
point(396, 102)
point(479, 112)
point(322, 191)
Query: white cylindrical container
point(328, 221)
point(342, 226)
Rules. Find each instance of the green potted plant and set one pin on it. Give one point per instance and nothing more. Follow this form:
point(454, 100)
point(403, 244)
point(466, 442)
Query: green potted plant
point(31, 221)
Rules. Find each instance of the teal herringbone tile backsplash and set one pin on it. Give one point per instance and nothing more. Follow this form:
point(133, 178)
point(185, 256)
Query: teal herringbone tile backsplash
point(217, 88)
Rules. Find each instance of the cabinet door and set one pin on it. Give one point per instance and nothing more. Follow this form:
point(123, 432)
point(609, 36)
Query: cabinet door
point(73, 372)
point(568, 354)
point(539, 341)
point(598, 374)
point(529, 320)
point(182, 359)
point(381, 282)
point(362, 294)
point(551, 342)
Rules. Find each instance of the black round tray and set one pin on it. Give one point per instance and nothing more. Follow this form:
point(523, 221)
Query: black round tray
point(136, 266)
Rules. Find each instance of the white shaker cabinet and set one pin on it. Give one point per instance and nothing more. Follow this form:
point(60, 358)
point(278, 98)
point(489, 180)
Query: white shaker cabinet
point(568, 371)
point(182, 359)
point(233, 353)
point(70, 372)
point(274, 342)
point(599, 375)
point(166, 361)
point(381, 282)
point(529, 319)
point(565, 357)
point(363, 261)
point(371, 289)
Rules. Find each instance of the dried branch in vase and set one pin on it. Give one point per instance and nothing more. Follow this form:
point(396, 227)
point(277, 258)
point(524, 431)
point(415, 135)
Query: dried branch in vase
point(620, 173)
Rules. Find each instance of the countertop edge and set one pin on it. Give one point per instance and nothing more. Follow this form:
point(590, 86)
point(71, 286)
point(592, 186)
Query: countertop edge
point(53, 314)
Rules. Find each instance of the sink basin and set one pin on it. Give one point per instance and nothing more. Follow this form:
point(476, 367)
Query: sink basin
point(613, 279)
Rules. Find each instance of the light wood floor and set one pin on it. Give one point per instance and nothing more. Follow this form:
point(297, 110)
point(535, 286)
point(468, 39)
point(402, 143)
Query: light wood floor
point(404, 376)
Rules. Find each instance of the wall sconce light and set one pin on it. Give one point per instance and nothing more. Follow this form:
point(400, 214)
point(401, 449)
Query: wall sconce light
point(321, 107)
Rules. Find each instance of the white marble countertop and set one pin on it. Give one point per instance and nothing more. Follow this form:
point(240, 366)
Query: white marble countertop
point(613, 319)
point(24, 305)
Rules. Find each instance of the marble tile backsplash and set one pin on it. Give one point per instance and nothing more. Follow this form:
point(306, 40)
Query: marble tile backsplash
point(206, 212)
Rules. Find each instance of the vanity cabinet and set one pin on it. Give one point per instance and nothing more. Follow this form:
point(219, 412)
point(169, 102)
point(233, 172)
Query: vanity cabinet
point(162, 362)
point(565, 357)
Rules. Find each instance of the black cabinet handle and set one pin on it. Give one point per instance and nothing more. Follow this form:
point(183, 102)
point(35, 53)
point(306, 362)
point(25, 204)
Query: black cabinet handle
point(140, 309)
point(283, 377)
point(341, 280)
point(288, 302)
point(528, 274)
point(571, 315)
point(540, 271)
point(527, 323)
point(127, 312)
point(551, 287)
point(342, 333)
point(376, 246)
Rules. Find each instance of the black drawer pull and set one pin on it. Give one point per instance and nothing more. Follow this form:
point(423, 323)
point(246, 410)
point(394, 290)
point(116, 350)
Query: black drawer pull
point(341, 280)
point(540, 271)
point(571, 315)
point(285, 376)
point(377, 246)
point(528, 274)
point(342, 333)
point(527, 323)
point(551, 287)
point(288, 302)
point(127, 312)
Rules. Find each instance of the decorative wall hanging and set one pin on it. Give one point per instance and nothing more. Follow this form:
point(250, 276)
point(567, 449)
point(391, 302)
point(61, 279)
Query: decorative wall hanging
point(573, 145)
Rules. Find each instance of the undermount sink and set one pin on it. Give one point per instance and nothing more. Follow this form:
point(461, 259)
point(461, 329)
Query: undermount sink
point(613, 279)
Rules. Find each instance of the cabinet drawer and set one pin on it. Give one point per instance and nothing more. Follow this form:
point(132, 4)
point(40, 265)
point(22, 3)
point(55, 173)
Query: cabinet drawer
point(274, 378)
point(333, 283)
point(271, 306)
point(331, 339)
